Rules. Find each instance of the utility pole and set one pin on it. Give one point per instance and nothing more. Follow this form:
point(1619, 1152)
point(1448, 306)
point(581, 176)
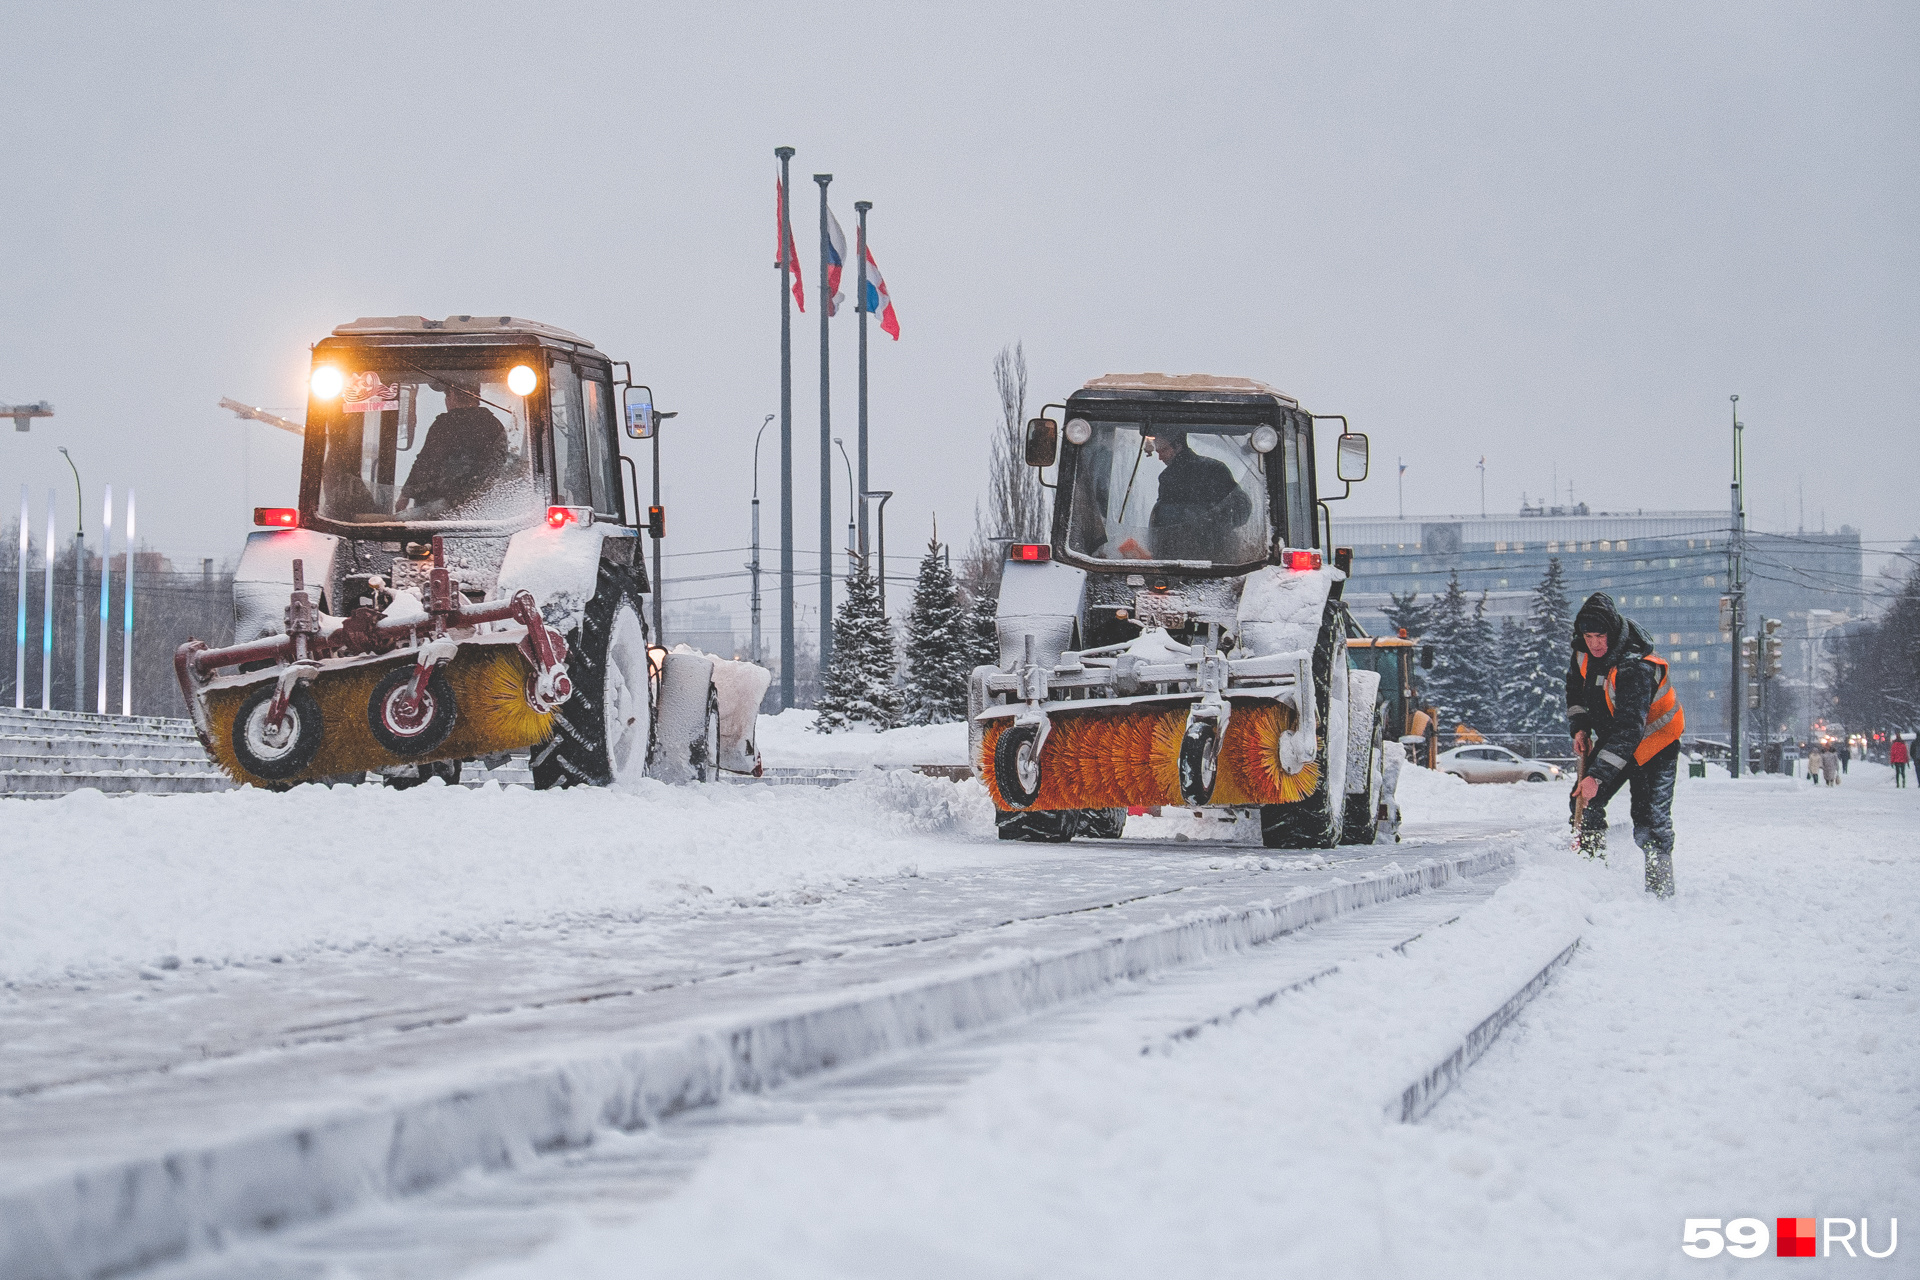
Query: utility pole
point(1483, 486)
point(860, 308)
point(80, 588)
point(1737, 592)
point(20, 600)
point(826, 441)
point(787, 267)
point(46, 617)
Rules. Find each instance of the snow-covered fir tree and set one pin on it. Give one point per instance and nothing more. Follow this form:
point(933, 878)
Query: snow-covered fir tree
point(858, 685)
point(1462, 641)
point(939, 648)
point(1535, 687)
point(983, 636)
point(1478, 691)
point(1406, 613)
point(1513, 639)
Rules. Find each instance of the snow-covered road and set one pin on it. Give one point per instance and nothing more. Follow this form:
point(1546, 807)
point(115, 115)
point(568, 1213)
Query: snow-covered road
point(1745, 1051)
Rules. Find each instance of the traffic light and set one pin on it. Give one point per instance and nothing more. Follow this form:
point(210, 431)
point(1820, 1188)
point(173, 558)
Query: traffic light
point(1726, 615)
point(1749, 655)
point(1774, 645)
point(1753, 695)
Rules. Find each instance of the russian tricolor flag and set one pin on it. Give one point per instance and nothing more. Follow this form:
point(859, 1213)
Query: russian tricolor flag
point(836, 259)
point(878, 299)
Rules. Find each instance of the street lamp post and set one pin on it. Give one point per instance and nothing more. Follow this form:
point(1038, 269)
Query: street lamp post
point(853, 545)
point(754, 567)
point(659, 582)
point(1736, 591)
point(79, 589)
point(881, 517)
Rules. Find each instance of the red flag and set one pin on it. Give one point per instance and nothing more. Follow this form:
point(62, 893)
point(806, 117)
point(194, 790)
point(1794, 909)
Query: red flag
point(780, 228)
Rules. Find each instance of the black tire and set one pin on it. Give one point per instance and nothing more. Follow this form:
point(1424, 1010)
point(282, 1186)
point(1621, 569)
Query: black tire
point(301, 731)
point(1199, 762)
point(706, 752)
point(1045, 826)
point(1363, 810)
point(1016, 770)
point(406, 740)
point(578, 753)
point(448, 771)
point(1317, 821)
point(1103, 824)
point(1536, 777)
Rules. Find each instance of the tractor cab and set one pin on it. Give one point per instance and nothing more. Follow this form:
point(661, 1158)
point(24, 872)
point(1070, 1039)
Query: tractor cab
point(457, 426)
point(1172, 487)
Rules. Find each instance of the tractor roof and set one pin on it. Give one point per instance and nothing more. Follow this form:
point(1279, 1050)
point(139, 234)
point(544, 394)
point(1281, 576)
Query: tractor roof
point(1200, 384)
point(367, 325)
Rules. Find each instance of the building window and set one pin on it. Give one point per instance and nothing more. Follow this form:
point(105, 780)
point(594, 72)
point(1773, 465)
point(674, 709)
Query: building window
point(1503, 582)
point(1707, 581)
point(1693, 675)
point(1619, 546)
point(1551, 546)
point(1498, 547)
point(1605, 545)
point(1693, 655)
point(1656, 602)
point(1710, 695)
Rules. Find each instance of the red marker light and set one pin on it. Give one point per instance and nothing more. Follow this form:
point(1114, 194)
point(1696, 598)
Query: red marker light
point(557, 516)
point(276, 517)
point(1030, 551)
point(1302, 560)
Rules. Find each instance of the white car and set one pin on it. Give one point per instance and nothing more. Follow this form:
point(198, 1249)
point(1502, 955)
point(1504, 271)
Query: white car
point(1484, 762)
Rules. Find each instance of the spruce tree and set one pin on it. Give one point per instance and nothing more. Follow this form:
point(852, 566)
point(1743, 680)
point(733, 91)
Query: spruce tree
point(1449, 684)
point(858, 685)
point(1512, 647)
point(1535, 686)
point(1406, 613)
point(939, 649)
point(983, 634)
point(1477, 691)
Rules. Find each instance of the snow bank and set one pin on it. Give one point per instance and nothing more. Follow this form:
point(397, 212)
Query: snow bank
point(787, 741)
point(90, 885)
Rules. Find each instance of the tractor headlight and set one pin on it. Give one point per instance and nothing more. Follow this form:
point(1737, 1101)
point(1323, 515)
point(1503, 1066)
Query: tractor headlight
point(521, 380)
point(1079, 431)
point(327, 382)
point(1264, 438)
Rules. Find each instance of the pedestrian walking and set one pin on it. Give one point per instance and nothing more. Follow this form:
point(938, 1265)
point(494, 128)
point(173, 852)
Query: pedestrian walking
point(1830, 766)
point(1897, 754)
point(1813, 764)
point(1846, 753)
point(1626, 722)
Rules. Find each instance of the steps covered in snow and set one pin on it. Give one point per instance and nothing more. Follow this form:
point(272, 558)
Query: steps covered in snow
point(53, 753)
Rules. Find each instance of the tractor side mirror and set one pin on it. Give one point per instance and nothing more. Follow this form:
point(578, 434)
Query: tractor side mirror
point(1426, 657)
point(1350, 459)
point(638, 405)
point(1043, 442)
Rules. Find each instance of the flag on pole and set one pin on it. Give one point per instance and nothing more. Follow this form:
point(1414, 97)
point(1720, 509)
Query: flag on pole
point(878, 299)
point(836, 259)
point(781, 227)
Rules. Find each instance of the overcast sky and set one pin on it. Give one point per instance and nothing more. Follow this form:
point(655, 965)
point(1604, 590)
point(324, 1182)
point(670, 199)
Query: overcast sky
point(1556, 236)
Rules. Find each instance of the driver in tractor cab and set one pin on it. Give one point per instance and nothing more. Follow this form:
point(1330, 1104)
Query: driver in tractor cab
point(465, 449)
point(1199, 504)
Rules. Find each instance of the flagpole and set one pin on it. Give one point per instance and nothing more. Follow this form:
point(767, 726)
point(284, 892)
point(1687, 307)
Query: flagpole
point(860, 306)
point(826, 444)
point(786, 437)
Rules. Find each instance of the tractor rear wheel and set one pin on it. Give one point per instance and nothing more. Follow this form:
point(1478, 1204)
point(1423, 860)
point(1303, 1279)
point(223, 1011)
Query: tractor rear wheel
point(1317, 821)
point(1363, 808)
point(1057, 826)
point(604, 732)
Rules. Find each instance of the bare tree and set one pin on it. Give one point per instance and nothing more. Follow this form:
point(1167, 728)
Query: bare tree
point(1017, 509)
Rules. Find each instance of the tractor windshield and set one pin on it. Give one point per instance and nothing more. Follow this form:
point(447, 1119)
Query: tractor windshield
point(434, 443)
point(1193, 495)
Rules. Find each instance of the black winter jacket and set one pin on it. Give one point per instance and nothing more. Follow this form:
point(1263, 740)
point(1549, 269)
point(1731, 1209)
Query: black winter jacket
point(1613, 735)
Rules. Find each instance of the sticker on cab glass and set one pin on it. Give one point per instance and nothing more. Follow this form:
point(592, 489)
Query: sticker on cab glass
point(366, 394)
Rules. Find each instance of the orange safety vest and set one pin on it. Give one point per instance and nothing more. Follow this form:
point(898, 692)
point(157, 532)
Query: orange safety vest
point(1666, 720)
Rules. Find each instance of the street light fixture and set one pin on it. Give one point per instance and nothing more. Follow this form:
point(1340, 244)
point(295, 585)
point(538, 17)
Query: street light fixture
point(853, 546)
point(754, 566)
point(79, 588)
point(881, 516)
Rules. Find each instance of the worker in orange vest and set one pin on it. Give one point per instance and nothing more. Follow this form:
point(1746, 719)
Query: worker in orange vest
point(1626, 722)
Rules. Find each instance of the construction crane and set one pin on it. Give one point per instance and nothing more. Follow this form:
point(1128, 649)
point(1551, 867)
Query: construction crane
point(24, 414)
point(258, 415)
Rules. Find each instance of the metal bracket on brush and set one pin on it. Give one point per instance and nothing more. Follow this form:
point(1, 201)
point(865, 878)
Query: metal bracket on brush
point(1033, 691)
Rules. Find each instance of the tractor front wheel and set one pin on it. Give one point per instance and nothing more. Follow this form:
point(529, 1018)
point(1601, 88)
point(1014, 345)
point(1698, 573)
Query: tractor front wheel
point(604, 732)
point(1199, 761)
point(279, 752)
point(1016, 765)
